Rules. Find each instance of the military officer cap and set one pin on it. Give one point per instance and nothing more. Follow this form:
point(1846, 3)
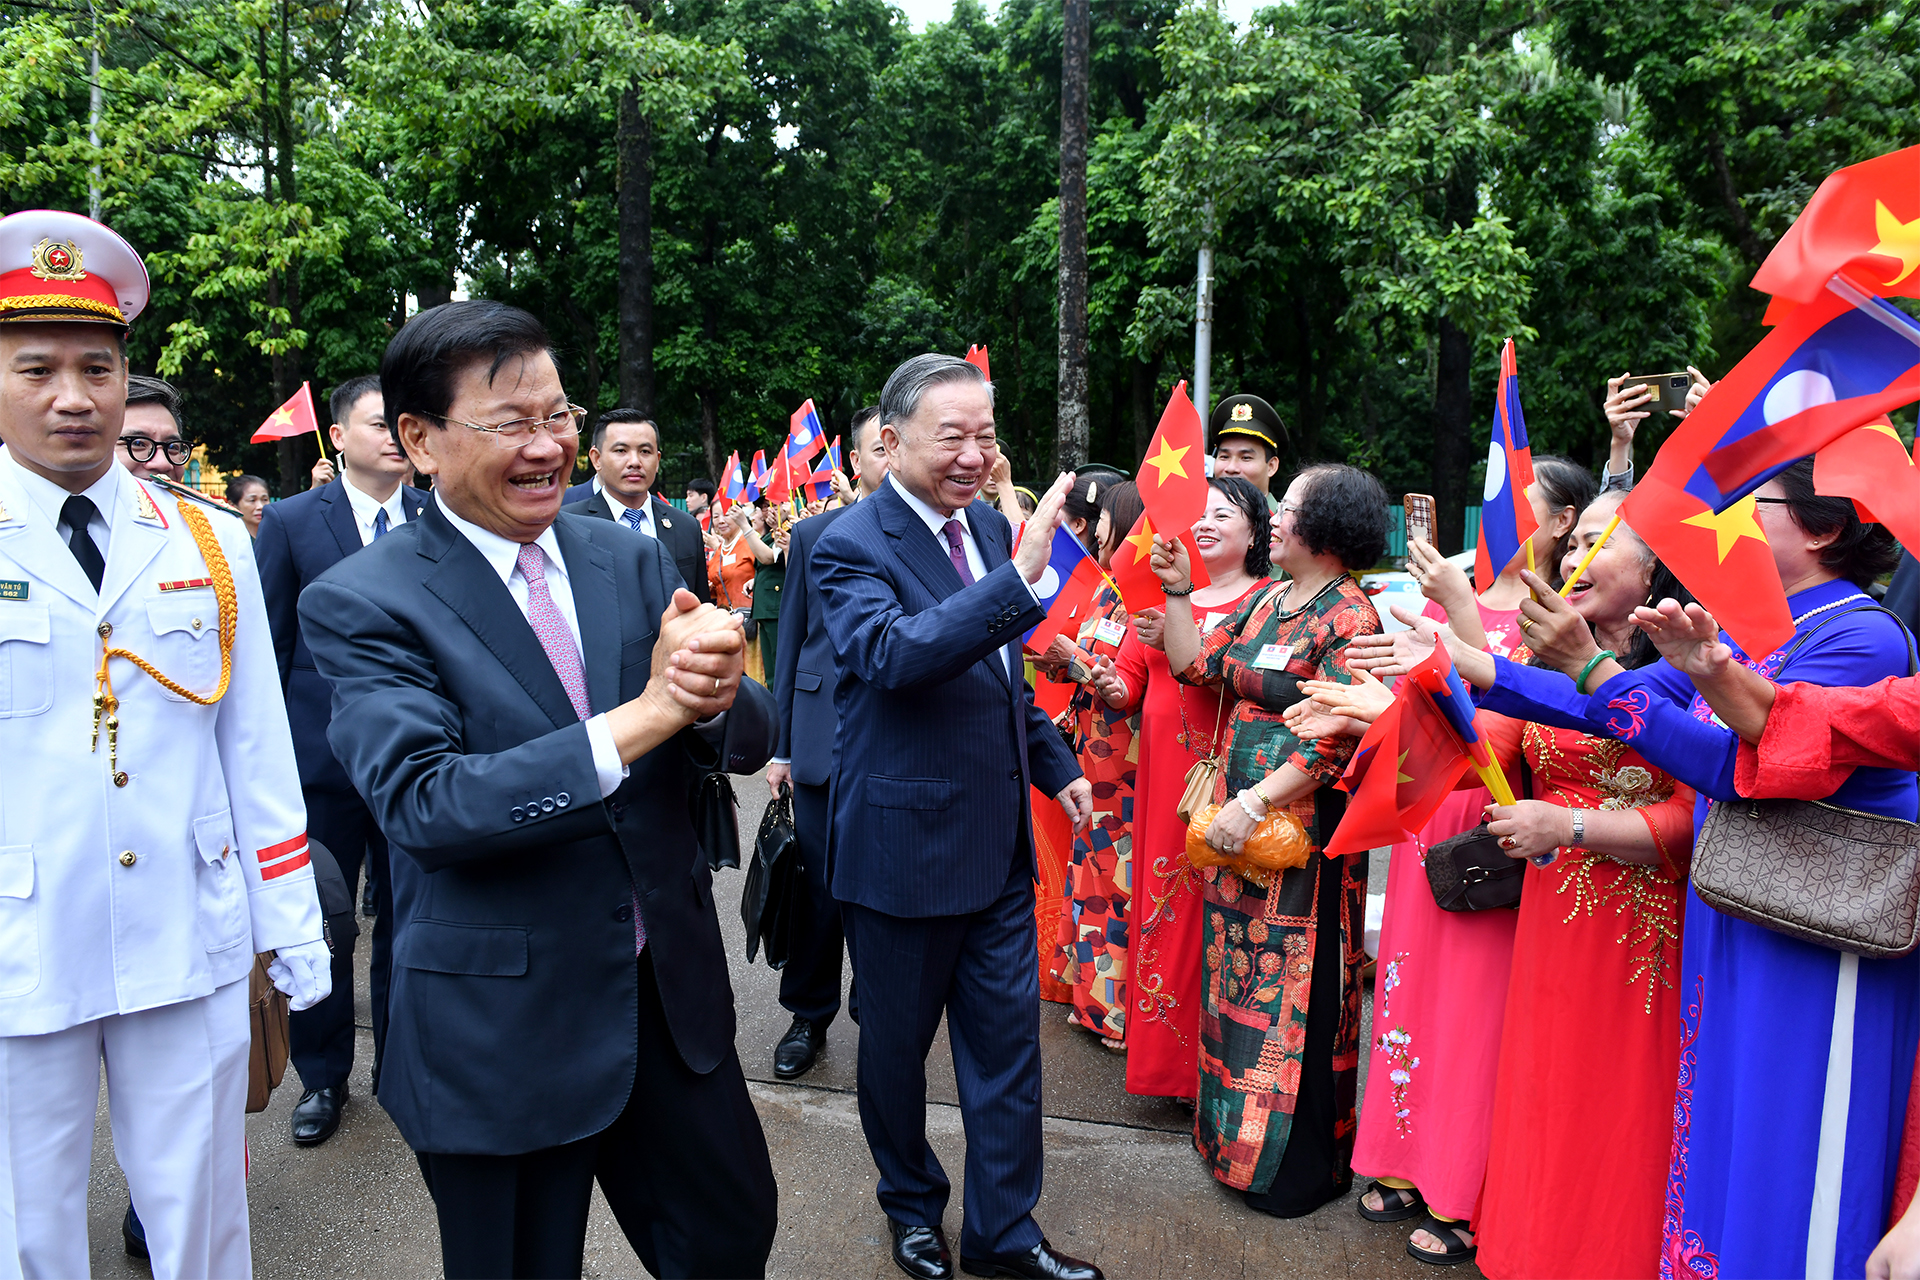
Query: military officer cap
point(59, 266)
point(1248, 416)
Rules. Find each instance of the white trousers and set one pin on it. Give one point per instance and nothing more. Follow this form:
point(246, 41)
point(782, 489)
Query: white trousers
point(177, 1093)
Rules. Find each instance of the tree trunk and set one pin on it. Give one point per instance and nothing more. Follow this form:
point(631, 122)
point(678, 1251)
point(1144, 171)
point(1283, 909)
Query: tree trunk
point(635, 141)
point(1070, 439)
point(1453, 437)
point(710, 435)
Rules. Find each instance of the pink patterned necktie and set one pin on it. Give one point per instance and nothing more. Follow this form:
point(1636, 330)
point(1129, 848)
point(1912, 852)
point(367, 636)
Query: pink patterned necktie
point(556, 637)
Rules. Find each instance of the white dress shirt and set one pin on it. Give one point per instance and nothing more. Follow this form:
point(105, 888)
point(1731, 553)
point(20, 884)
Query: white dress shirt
point(48, 497)
point(503, 555)
point(644, 511)
point(366, 507)
point(936, 524)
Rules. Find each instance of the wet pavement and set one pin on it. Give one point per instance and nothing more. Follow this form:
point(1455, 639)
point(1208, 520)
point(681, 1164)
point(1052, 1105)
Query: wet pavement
point(1124, 1187)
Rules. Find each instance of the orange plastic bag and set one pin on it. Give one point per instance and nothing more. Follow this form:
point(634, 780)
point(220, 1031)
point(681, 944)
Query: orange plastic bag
point(1278, 843)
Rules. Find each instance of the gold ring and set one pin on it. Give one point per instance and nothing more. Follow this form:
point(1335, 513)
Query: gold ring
point(1526, 625)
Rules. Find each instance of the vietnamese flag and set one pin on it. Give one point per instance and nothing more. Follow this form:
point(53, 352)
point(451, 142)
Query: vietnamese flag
point(1132, 567)
point(1864, 221)
point(1723, 558)
point(1405, 765)
point(294, 418)
point(1173, 475)
point(977, 356)
point(1870, 465)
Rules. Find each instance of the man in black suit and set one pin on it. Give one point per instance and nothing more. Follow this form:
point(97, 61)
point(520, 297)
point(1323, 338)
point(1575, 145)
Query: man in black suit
point(804, 678)
point(931, 840)
point(300, 539)
point(626, 459)
point(516, 693)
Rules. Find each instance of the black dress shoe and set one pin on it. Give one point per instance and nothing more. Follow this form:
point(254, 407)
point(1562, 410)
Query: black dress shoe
point(134, 1234)
point(1037, 1263)
point(921, 1251)
point(798, 1050)
point(317, 1115)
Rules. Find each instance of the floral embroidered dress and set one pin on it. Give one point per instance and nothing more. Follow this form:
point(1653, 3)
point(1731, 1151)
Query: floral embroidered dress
point(1592, 1027)
point(1439, 998)
point(1280, 1004)
point(1178, 726)
point(1795, 1060)
point(1091, 942)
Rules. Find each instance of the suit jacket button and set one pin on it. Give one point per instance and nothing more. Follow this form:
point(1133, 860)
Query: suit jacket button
point(1014, 774)
point(623, 912)
point(563, 799)
point(546, 806)
point(519, 814)
point(617, 808)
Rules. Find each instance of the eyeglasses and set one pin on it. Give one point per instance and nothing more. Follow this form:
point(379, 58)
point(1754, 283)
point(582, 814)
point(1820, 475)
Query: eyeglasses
point(142, 449)
point(564, 425)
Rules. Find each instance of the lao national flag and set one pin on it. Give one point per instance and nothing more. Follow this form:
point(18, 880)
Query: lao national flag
point(1506, 515)
point(804, 435)
point(734, 488)
point(294, 418)
point(757, 476)
point(821, 478)
point(977, 356)
point(1071, 578)
point(1405, 765)
point(1443, 684)
point(1834, 364)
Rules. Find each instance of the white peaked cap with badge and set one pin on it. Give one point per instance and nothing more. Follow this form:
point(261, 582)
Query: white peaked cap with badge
point(59, 267)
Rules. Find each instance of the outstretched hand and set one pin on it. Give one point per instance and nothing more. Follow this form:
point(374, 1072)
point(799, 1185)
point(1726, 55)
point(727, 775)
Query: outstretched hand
point(1036, 540)
point(1332, 709)
point(1388, 654)
point(1688, 638)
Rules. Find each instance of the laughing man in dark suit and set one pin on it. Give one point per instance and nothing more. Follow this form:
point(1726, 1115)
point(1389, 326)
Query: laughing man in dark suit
point(626, 458)
point(300, 539)
point(931, 840)
point(513, 692)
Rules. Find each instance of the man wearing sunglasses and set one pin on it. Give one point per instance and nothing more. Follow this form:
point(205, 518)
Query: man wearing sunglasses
point(151, 443)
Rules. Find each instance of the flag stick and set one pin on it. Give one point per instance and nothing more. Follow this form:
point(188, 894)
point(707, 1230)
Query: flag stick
point(1592, 551)
point(1496, 781)
point(320, 441)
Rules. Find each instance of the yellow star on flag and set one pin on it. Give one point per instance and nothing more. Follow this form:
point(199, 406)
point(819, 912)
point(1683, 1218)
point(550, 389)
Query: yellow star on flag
point(1404, 777)
point(282, 417)
point(1729, 526)
point(1897, 240)
point(1167, 461)
point(1142, 542)
point(1892, 435)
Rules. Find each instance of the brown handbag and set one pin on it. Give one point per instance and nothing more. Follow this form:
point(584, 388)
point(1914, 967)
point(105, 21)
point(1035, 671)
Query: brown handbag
point(1834, 877)
point(267, 1012)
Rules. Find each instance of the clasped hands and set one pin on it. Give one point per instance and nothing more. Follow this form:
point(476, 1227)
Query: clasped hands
point(699, 660)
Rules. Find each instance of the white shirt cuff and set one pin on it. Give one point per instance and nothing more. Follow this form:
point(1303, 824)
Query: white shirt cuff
point(1032, 590)
point(778, 760)
point(606, 757)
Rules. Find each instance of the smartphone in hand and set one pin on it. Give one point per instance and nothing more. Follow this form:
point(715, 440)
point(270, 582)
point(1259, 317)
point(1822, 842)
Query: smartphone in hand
point(1420, 516)
point(1670, 387)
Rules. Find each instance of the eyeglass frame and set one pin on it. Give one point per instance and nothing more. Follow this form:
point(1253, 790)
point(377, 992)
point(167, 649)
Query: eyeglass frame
point(186, 448)
point(498, 430)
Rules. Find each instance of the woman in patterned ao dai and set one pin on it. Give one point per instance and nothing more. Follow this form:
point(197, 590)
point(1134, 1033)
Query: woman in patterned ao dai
point(1593, 1007)
point(1280, 1010)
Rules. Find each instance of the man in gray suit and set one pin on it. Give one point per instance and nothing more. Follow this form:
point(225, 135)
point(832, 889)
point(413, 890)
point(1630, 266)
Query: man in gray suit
point(803, 684)
point(626, 459)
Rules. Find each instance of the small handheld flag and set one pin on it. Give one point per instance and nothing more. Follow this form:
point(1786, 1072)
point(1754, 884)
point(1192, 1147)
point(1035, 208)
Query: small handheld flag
point(977, 356)
point(757, 476)
point(294, 418)
point(1173, 476)
point(734, 489)
point(804, 434)
point(1070, 580)
point(821, 478)
point(1506, 513)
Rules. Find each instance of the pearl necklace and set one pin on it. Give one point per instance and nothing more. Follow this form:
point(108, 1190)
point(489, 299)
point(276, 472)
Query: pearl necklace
point(1858, 595)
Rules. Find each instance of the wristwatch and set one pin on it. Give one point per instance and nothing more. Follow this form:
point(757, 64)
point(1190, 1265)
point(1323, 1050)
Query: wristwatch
point(1580, 827)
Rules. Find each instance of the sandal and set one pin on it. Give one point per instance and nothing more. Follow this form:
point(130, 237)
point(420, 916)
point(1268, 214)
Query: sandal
point(1397, 1204)
point(1457, 1250)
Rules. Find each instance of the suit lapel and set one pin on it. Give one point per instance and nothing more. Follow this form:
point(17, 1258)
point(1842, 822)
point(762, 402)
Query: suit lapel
point(995, 550)
point(37, 548)
point(411, 500)
point(139, 534)
point(915, 544)
point(467, 584)
point(338, 515)
point(596, 603)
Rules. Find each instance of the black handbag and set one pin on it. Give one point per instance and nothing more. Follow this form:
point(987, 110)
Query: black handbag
point(1471, 872)
point(745, 745)
point(770, 897)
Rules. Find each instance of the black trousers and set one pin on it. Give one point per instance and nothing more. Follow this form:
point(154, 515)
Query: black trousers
point(320, 1039)
point(684, 1168)
point(810, 984)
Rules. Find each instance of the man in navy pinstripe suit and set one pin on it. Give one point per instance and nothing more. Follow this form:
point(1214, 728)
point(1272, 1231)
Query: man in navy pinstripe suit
point(931, 847)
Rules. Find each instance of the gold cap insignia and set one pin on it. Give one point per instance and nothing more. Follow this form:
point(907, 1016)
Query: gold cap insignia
point(57, 261)
point(1242, 412)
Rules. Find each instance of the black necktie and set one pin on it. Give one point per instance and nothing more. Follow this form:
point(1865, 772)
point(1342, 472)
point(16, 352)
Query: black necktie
point(76, 513)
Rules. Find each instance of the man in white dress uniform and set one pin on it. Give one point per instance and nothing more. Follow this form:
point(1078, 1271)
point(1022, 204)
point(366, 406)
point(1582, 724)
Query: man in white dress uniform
point(152, 837)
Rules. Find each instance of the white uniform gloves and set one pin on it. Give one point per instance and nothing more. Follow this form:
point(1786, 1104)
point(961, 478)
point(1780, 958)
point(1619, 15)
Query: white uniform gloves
point(304, 972)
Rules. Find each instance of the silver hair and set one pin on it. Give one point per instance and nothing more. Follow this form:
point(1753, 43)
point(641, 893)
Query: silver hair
point(900, 398)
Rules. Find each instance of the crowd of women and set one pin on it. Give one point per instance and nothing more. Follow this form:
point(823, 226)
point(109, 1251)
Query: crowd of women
point(1612, 1080)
